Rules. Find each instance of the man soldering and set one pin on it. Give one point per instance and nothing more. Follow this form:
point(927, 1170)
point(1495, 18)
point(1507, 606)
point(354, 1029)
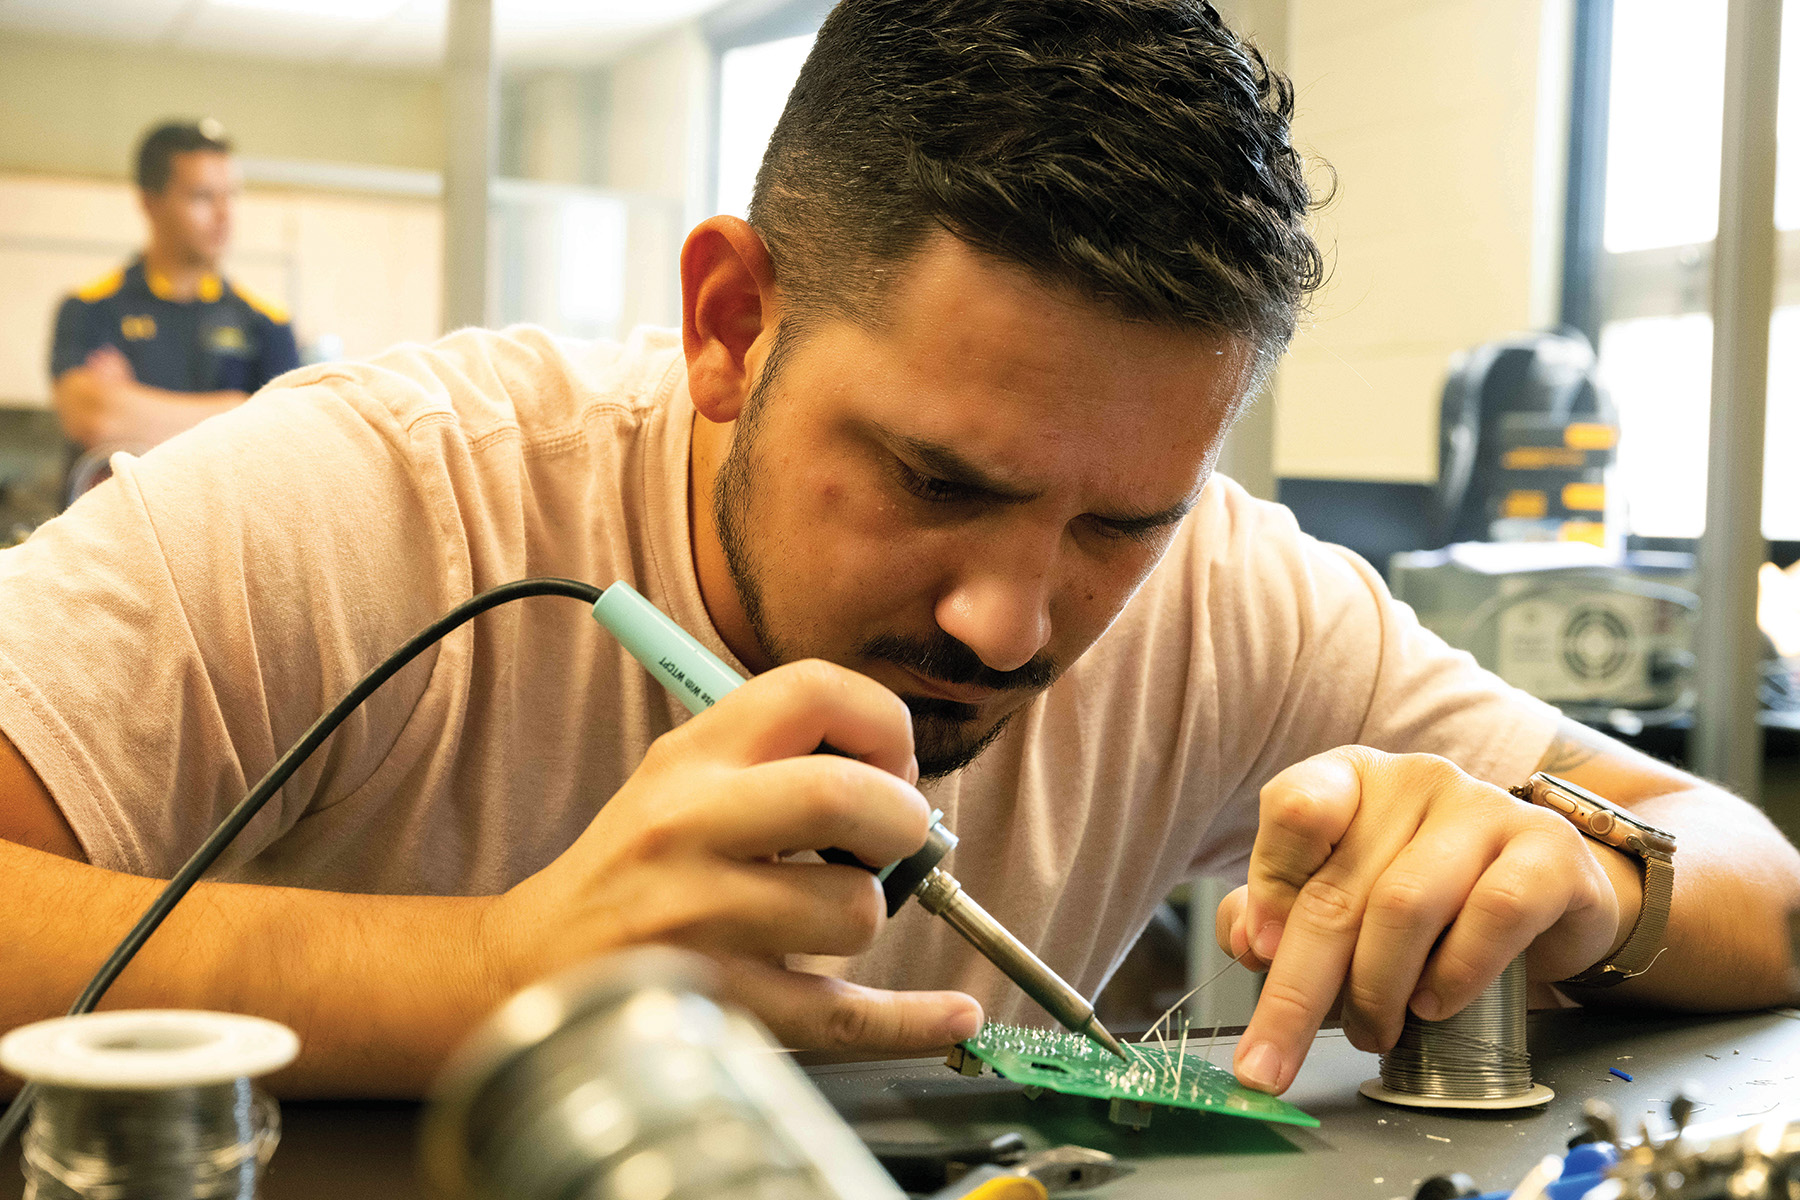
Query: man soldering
point(157, 346)
point(931, 458)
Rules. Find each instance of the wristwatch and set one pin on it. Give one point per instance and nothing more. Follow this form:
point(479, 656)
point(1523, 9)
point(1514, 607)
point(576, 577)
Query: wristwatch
point(1654, 849)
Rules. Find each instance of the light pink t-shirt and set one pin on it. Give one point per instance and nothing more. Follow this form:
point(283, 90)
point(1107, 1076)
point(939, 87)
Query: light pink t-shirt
point(163, 642)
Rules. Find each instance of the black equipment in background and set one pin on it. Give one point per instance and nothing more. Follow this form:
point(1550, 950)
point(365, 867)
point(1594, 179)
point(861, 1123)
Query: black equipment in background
point(1526, 435)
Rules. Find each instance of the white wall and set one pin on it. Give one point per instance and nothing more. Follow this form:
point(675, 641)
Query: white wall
point(1445, 121)
point(78, 107)
point(660, 120)
point(659, 145)
point(639, 128)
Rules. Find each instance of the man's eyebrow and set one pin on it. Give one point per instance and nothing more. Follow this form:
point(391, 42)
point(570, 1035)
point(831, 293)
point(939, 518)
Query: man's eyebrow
point(1132, 523)
point(946, 464)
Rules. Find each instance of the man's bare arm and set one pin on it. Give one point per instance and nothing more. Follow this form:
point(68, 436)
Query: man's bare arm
point(96, 410)
point(1736, 880)
point(381, 987)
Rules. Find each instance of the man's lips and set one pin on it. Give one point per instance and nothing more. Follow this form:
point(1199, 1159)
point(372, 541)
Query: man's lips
point(937, 689)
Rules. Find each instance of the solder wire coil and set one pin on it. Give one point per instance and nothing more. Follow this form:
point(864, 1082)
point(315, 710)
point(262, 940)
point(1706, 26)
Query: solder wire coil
point(1475, 1059)
point(151, 1104)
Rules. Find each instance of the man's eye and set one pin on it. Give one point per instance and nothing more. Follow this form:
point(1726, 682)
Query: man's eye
point(928, 487)
point(1143, 535)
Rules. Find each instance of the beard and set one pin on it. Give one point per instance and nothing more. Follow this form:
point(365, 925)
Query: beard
point(946, 733)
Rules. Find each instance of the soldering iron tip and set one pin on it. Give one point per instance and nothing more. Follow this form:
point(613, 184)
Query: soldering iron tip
point(1099, 1033)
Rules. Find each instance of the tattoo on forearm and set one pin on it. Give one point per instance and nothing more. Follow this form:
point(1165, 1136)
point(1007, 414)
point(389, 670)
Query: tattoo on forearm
point(1569, 750)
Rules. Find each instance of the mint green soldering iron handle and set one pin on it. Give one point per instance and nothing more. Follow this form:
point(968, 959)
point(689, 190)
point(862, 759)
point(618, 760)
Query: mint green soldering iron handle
point(699, 678)
point(695, 675)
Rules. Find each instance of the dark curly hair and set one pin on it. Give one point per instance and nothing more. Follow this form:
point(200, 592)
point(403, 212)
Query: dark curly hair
point(1134, 150)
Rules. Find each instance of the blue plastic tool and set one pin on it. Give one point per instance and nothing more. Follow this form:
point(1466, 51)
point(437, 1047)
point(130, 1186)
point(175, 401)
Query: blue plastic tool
point(1584, 1167)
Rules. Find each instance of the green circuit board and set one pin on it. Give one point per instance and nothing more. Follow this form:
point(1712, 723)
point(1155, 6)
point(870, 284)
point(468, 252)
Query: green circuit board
point(1157, 1074)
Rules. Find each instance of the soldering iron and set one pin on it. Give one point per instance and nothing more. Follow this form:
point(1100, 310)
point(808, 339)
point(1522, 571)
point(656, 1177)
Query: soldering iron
point(698, 678)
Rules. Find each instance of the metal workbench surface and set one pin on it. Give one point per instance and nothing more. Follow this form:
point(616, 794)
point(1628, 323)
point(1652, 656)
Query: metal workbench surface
point(1362, 1150)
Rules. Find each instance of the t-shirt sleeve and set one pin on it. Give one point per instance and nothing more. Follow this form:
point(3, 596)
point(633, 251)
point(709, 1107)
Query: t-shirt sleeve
point(1426, 697)
point(279, 354)
point(163, 641)
point(1315, 653)
point(76, 336)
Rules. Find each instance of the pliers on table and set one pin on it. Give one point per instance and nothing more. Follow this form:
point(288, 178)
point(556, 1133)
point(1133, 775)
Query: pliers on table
point(1057, 1171)
point(998, 1168)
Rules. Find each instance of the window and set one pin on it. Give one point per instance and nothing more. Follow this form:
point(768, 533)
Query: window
point(754, 82)
point(1662, 210)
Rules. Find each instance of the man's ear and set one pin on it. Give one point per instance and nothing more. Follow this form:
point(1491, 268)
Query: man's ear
point(728, 305)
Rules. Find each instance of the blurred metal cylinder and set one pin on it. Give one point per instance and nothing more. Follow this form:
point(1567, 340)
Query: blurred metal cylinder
point(625, 1080)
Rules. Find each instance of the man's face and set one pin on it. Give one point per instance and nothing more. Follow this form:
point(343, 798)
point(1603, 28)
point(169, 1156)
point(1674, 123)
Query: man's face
point(959, 503)
point(192, 215)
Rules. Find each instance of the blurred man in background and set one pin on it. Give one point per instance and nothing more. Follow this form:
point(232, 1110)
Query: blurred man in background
point(164, 342)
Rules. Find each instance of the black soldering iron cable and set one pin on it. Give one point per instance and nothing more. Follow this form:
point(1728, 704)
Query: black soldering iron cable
point(234, 822)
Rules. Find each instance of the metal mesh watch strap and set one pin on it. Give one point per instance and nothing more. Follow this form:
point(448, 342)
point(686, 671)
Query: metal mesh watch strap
point(1654, 850)
point(1645, 941)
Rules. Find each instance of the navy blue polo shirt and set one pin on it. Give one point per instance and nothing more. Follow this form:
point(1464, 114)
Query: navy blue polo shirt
point(223, 340)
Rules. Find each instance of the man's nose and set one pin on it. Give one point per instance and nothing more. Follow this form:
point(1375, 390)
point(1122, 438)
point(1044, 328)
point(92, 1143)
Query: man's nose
point(1002, 615)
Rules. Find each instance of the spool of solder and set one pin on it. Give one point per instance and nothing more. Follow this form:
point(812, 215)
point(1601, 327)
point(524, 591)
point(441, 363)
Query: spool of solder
point(1475, 1059)
point(152, 1103)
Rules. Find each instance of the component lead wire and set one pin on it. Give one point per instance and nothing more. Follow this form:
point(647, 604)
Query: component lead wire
point(1181, 1054)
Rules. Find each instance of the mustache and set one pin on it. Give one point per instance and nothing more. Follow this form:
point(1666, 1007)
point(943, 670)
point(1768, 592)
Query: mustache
point(946, 660)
